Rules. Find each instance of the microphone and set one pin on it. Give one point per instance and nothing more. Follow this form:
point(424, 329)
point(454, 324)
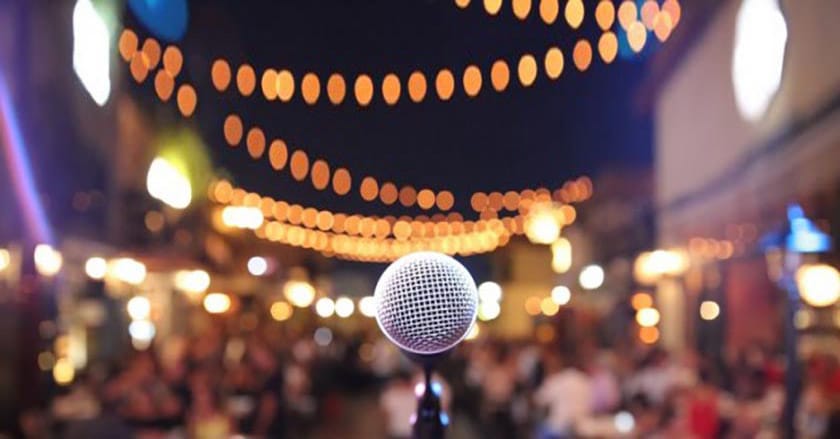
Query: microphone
point(426, 303)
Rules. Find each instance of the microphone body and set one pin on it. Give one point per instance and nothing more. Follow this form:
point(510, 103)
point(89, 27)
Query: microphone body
point(426, 303)
point(428, 421)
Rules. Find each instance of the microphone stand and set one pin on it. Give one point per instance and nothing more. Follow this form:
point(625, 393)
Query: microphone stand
point(428, 424)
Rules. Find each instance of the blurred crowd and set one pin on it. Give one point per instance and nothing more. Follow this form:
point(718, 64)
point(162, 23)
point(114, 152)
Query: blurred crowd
point(347, 384)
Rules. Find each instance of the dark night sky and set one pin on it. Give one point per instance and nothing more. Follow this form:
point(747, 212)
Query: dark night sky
point(520, 138)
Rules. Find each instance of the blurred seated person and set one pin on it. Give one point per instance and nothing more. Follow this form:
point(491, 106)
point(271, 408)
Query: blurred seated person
point(399, 404)
point(567, 394)
point(206, 419)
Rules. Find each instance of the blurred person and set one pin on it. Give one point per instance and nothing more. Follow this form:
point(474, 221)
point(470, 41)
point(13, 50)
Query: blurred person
point(528, 365)
point(704, 417)
point(567, 394)
point(647, 417)
point(302, 406)
point(34, 424)
point(141, 397)
point(79, 403)
point(206, 420)
point(606, 393)
point(271, 408)
point(812, 416)
point(749, 372)
point(656, 377)
point(240, 383)
point(399, 403)
point(104, 426)
point(387, 359)
point(498, 385)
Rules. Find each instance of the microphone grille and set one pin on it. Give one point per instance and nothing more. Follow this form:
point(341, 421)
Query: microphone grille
point(426, 302)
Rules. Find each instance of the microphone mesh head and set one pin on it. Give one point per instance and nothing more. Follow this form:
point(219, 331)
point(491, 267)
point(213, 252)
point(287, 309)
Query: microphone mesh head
point(426, 302)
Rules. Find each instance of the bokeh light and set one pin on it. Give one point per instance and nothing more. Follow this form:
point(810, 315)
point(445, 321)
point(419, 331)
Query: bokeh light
point(818, 284)
point(549, 9)
point(341, 181)
point(173, 60)
point(582, 55)
point(445, 84)
point(608, 47)
point(48, 261)
point(281, 311)
point(246, 80)
point(299, 293)
point(128, 270)
point(554, 63)
point(591, 277)
point(472, 81)
point(299, 165)
point(257, 266)
point(344, 307)
point(637, 36)
point(220, 74)
point(492, 6)
point(391, 89)
point(169, 184)
point(367, 306)
point(521, 8)
point(648, 13)
point(627, 14)
point(325, 307)
point(138, 308)
point(192, 281)
point(217, 303)
point(164, 85)
point(647, 317)
point(285, 85)
point(527, 70)
point(363, 89)
point(489, 292)
point(605, 14)
point(255, 142)
point(641, 300)
point(561, 295)
point(310, 88)
point(532, 305)
point(488, 310)
point(187, 100)
point(336, 88)
point(417, 86)
point(649, 335)
point(574, 12)
point(63, 371)
point(323, 337)
point(96, 268)
point(499, 75)
point(549, 307)
point(369, 189)
point(709, 310)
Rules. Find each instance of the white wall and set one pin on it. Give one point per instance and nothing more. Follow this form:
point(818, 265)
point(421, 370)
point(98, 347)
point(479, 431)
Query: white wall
point(700, 134)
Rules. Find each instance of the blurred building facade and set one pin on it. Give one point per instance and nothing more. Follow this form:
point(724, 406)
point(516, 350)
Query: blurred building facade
point(735, 143)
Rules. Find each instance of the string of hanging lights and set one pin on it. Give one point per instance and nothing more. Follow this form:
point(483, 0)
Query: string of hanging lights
point(298, 161)
point(665, 16)
point(402, 228)
point(282, 84)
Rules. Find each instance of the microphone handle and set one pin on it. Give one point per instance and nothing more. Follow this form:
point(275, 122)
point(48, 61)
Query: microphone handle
point(428, 424)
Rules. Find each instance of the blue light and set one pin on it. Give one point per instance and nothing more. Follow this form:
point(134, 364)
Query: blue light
point(436, 388)
point(444, 419)
point(805, 237)
point(166, 19)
